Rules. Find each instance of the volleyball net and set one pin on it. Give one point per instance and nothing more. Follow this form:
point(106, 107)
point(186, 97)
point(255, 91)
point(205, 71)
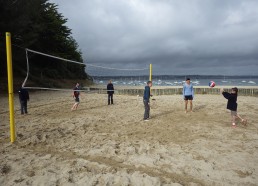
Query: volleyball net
point(49, 72)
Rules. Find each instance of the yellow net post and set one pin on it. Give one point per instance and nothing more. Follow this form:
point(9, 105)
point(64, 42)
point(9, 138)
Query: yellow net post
point(10, 85)
point(150, 72)
point(150, 78)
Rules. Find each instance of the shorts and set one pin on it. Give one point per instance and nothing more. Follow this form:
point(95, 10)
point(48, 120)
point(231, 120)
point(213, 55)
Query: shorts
point(233, 113)
point(188, 97)
point(77, 100)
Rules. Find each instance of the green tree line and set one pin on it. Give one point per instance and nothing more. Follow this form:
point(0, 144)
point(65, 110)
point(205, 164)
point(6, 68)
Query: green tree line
point(37, 25)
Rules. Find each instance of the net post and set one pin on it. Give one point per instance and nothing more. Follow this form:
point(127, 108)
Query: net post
point(10, 85)
point(150, 78)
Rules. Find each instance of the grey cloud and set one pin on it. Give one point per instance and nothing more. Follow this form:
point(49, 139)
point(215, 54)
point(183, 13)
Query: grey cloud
point(176, 36)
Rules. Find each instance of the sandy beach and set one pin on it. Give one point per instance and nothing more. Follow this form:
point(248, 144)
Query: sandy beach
point(112, 145)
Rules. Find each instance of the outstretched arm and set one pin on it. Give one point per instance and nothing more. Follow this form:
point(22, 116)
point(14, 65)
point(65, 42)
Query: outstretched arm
point(226, 94)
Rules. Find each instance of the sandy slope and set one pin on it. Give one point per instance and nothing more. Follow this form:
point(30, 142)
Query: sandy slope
point(111, 145)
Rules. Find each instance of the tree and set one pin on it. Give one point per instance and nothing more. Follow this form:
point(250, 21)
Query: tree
point(36, 24)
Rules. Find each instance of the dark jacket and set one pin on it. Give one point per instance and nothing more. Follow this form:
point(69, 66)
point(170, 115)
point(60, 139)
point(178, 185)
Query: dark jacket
point(76, 93)
point(23, 94)
point(146, 95)
point(232, 101)
point(110, 88)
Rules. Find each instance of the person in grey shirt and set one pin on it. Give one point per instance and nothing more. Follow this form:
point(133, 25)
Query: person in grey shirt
point(188, 94)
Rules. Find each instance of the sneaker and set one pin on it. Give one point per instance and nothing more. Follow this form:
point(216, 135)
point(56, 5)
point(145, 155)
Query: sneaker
point(146, 119)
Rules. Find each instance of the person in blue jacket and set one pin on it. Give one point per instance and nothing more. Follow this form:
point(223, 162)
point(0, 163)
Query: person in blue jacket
point(232, 105)
point(146, 101)
point(188, 94)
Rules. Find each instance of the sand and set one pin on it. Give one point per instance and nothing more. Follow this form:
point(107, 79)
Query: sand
point(112, 145)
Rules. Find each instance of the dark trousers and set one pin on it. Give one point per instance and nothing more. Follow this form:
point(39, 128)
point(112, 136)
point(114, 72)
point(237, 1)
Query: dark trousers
point(147, 109)
point(23, 107)
point(110, 98)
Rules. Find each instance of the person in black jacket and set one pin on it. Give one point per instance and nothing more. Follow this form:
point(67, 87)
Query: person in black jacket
point(146, 101)
point(232, 105)
point(23, 97)
point(110, 92)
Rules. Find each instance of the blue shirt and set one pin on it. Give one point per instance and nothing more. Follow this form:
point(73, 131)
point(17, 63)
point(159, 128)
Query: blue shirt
point(188, 90)
point(146, 95)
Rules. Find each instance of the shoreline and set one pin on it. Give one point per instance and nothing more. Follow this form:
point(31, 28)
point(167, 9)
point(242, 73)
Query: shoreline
point(171, 87)
point(168, 90)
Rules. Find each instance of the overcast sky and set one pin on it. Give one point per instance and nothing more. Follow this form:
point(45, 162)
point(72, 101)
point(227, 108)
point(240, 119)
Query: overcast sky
point(177, 36)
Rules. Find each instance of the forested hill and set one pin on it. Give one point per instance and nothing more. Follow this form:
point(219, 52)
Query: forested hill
point(37, 25)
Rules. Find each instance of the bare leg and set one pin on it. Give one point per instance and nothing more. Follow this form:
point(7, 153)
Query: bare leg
point(233, 121)
point(186, 103)
point(75, 105)
point(191, 105)
point(237, 116)
point(243, 121)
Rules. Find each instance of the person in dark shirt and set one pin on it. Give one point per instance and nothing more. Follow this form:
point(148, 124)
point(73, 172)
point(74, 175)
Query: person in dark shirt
point(232, 105)
point(23, 97)
point(110, 92)
point(76, 96)
point(146, 101)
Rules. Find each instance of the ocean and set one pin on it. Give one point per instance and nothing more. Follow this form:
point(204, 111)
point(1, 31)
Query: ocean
point(170, 80)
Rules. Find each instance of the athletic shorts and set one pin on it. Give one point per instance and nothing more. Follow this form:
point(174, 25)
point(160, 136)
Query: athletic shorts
point(189, 97)
point(233, 113)
point(77, 100)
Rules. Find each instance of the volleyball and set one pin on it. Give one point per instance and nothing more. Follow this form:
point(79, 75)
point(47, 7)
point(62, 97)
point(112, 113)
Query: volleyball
point(212, 84)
